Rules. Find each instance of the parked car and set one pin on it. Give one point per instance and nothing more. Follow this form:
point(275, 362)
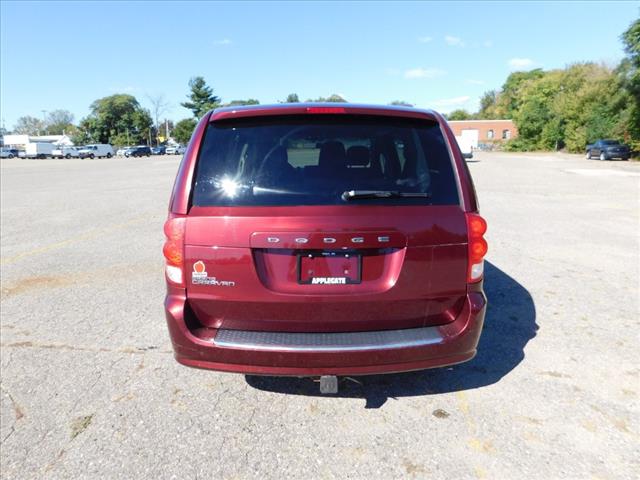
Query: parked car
point(96, 150)
point(608, 149)
point(38, 150)
point(9, 152)
point(65, 152)
point(159, 150)
point(175, 150)
point(323, 240)
point(139, 151)
point(120, 152)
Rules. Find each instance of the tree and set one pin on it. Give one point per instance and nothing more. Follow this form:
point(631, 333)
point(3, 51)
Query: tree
point(116, 117)
point(335, 98)
point(292, 98)
point(183, 130)
point(629, 74)
point(489, 107)
point(59, 122)
point(158, 107)
point(201, 98)
point(459, 114)
point(332, 98)
point(29, 125)
point(511, 94)
point(238, 103)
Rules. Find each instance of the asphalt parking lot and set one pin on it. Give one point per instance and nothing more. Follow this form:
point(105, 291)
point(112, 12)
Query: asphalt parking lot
point(89, 387)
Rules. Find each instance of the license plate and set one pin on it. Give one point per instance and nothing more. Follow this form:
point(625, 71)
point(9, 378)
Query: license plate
point(329, 268)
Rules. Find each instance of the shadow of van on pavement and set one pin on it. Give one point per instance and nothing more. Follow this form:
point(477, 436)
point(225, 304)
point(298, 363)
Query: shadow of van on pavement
point(510, 323)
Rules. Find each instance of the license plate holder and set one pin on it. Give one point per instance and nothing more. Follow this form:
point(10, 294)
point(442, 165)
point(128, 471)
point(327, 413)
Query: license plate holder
point(329, 268)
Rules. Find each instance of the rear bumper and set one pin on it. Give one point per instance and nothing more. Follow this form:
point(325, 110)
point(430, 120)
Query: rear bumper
point(321, 354)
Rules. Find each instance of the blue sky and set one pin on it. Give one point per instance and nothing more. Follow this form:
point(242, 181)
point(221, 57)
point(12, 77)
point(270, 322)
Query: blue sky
point(437, 55)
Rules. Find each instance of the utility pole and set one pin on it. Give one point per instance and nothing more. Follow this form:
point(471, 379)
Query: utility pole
point(166, 126)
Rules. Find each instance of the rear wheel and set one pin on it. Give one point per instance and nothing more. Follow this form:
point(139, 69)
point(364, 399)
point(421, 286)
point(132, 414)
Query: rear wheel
point(11, 155)
point(92, 156)
point(67, 156)
point(108, 155)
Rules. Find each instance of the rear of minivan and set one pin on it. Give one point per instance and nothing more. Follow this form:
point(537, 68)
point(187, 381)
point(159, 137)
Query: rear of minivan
point(315, 239)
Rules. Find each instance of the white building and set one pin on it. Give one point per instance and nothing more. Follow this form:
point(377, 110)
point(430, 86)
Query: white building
point(20, 141)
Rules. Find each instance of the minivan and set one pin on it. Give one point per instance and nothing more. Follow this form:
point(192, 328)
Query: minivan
point(323, 241)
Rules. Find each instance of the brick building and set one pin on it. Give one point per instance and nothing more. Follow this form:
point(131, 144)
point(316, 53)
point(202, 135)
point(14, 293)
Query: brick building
point(484, 131)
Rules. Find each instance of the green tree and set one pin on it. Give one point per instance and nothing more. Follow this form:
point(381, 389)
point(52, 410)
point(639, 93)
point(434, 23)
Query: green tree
point(29, 125)
point(59, 122)
point(201, 98)
point(490, 109)
point(183, 130)
point(239, 103)
point(114, 118)
point(292, 98)
point(459, 114)
point(335, 98)
point(629, 75)
point(511, 95)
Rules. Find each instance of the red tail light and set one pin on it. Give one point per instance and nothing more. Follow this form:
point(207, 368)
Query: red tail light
point(326, 110)
point(173, 250)
point(476, 228)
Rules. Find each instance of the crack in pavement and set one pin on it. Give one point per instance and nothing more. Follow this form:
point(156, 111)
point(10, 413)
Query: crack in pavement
point(17, 411)
point(64, 346)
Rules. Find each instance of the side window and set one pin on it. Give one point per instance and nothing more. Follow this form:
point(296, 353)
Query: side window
point(490, 134)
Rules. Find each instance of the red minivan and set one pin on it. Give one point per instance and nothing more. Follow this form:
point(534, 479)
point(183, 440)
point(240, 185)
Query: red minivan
point(323, 240)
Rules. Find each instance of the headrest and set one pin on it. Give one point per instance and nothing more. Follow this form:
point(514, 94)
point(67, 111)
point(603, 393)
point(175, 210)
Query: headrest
point(332, 155)
point(357, 156)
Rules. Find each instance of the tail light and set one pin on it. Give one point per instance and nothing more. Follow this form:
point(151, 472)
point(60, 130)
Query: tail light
point(173, 250)
point(326, 110)
point(476, 228)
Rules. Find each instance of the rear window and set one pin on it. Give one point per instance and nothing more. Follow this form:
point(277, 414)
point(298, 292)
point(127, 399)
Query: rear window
point(319, 159)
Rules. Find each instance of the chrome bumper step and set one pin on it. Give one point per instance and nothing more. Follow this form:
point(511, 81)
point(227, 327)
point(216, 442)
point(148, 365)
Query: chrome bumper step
point(328, 342)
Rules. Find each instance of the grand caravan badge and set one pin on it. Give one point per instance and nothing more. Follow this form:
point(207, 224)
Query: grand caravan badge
point(199, 276)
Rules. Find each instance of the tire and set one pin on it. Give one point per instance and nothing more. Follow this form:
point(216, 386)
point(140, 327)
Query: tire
point(67, 156)
point(92, 156)
point(603, 157)
point(11, 155)
point(588, 156)
point(109, 155)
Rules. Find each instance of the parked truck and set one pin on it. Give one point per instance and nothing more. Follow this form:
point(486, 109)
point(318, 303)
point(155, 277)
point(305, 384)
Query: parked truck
point(38, 150)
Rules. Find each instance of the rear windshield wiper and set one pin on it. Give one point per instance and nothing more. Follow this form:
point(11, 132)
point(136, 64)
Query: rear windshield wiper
point(355, 194)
